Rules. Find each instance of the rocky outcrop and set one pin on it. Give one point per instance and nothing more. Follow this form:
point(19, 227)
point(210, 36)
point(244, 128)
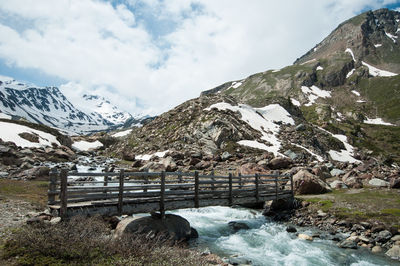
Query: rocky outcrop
point(307, 183)
point(173, 226)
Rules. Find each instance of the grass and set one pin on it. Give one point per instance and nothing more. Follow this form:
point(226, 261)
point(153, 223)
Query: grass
point(360, 205)
point(88, 241)
point(32, 191)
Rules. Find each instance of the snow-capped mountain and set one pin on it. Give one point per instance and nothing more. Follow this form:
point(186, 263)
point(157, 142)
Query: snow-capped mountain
point(48, 106)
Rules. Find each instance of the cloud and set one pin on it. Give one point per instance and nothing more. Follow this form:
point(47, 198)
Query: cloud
point(159, 53)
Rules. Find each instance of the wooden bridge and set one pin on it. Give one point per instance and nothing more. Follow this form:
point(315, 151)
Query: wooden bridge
point(117, 193)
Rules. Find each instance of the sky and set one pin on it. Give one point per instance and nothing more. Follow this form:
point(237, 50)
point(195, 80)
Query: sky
point(147, 56)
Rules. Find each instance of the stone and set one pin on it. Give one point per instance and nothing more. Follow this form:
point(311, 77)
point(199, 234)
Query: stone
point(55, 220)
point(280, 163)
point(226, 156)
point(307, 183)
point(4, 149)
point(239, 261)
point(338, 184)
point(337, 172)
point(378, 182)
point(236, 226)
point(291, 229)
point(322, 172)
point(395, 183)
point(383, 236)
point(251, 169)
point(357, 227)
point(300, 127)
point(128, 155)
point(292, 155)
point(347, 243)
point(395, 238)
point(376, 249)
point(174, 226)
point(320, 213)
point(193, 233)
point(394, 252)
point(3, 174)
point(29, 137)
point(305, 237)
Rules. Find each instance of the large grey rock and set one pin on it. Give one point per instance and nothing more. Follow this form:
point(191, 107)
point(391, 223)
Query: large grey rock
point(280, 163)
point(347, 243)
point(383, 236)
point(225, 156)
point(337, 172)
point(338, 184)
point(378, 182)
point(307, 183)
point(394, 252)
point(174, 226)
point(236, 226)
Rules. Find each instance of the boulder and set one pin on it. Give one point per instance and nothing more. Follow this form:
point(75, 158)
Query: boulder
point(378, 182)
point(174, 226)
point(226, 156)
point(338, 184)
point(394, 252)
point(251, 169)
point(305, 237)
point(236, 226)
point(307, 183)
point(347, 243)
point(291, 229)
point(280, 163)
point(383, 236)
point(337, 172)
point(376, 249)
point(353, 182)
point(322, 172)
point(395, 183)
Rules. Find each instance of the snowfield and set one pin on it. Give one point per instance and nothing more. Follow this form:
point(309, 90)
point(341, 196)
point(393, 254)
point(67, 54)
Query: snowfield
point(262, 120)
point(313, 93)
point(146, 157)
point(377, 121)
point(122, 133)
point(373, 71)
point(10, 131)
point(86, 145)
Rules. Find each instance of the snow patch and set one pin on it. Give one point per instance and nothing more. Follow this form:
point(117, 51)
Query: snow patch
point(350, 73)
point(377, 121)
point(295, 102)
point(348, 50)
point(236, 84)
point(276, 70)
point(4, 116)
point(309, 61)
point(146, 157)
point(84, 145)
point(392, 37)
point(10, 131)
point(378, 45)
point(319, 158)
point(254, 144)
point(320, 68)
point(361, 101)
point(313, 93)
point(122, 133)
point(373, 71)
point(343, 155)
point(262, 120)
point(356, 93)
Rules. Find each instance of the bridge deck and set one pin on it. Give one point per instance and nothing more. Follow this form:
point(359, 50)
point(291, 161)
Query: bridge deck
point(130, 193)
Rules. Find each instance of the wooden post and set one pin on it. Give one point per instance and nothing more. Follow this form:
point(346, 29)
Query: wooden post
point(212, 179)
point(240, 181)
point(146, 181)
point(292, 185)
point(121, 191)
point(52, 186)
point(276, 186)
point(105, 184)
point(257, 181)
point(162, 195)
point(63, 193)
point(196, 189)
point(180, 180)
point(230, 189)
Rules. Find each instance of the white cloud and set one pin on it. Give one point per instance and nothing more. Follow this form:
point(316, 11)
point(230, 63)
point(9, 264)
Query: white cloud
point(102, 46)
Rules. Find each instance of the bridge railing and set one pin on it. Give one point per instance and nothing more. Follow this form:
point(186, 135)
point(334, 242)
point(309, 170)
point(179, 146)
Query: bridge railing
point(123, 188)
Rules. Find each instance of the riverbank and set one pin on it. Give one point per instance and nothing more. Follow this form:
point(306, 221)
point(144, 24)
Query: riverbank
point(369, 218)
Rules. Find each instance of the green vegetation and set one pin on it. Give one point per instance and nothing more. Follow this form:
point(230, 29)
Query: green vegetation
point(356, 21)
point(32, 191)
point(88, 241)
point(360, 205)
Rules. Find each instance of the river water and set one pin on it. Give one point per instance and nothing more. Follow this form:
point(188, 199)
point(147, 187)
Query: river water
point(266, 242)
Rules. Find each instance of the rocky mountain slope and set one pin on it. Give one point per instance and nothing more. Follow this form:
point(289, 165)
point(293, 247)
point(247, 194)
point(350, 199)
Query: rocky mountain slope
point(48, 106)
point(339, 102)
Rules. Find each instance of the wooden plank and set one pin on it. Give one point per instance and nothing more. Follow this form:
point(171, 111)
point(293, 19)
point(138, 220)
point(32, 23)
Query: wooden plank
point(276, 188)
point(162, 195)
point(92, 174)
point(121, 191)
point(63, 193)
point(51, 194)
point(196, 189)
point(105, 184)
point(291, 185)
